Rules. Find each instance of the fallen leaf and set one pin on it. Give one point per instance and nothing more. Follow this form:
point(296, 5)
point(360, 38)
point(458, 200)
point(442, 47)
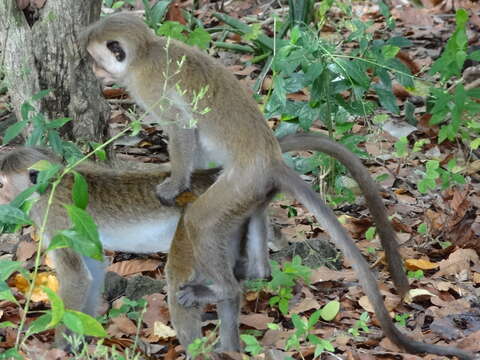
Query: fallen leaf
point(325, 274)
point(25, 250)
point(420, 264)
point(134, 266)
point(457, 262)
point(157, 310)
point(125, 325)
point(42, 279)
point(163, 331)
point(365, 304)
point(414, 294)
point(256, 321)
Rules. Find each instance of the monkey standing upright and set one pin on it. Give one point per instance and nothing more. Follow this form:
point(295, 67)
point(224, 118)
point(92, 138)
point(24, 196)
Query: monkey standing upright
point(164, 76)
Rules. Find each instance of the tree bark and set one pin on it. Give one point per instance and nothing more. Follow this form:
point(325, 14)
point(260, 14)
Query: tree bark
point(40, 49)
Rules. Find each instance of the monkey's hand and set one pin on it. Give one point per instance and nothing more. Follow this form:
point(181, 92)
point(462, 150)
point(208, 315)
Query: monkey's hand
point(169, 189)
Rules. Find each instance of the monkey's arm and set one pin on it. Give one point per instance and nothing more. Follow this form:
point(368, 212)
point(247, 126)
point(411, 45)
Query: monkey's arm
point(318, 142)
point(182, 147)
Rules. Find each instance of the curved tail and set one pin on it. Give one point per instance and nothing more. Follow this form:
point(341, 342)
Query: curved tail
point(290, 182)
point(317, 142)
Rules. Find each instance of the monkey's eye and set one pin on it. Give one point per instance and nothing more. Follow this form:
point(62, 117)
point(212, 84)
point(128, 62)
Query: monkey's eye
point(1, 185)
point(116, 49)
point(33, 175)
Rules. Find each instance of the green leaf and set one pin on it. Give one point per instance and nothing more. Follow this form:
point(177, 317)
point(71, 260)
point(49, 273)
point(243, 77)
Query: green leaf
point(41, 165)
point(100, 152)
point(158, 11)
point(330, 310)
point(87, 229)
point(313, 319)
point(136, 127)
point(5, 324)
point(118, 4)
point(13, 215)
point(80, 243)
point(13, 131)
point(199, 37)
point(387, 99)
point(8, 267)
point(172, 29)
point(370, 233)
point(41, 94)
point(58, 123)
point(283, 306)
point(55, 142)
point(83, 324)
point(25, 109)
point(40, 324)
point(6, 293)
point(353, 71)
point(475, 144)
point(57, 307)
point(475, 55)
point(11, 354)
point(59, 241)
point(425, 184)
point(80, 191)
point(390, 51)
point(422, 228)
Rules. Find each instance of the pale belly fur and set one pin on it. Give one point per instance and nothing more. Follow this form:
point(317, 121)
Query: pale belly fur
point(142, 236)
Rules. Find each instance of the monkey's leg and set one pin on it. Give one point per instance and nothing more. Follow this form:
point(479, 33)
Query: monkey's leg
point(75, 280)
point(186, 321)
point(228, 312)
point(258, 266)
point(181, 148)
point(211, 222)
point(97, 273)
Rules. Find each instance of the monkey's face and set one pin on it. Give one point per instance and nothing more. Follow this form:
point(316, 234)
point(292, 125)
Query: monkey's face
point(11, 185)
point(109, 60)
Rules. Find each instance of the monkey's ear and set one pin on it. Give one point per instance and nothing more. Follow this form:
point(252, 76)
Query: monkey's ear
point(33, 175)
point(117, 50)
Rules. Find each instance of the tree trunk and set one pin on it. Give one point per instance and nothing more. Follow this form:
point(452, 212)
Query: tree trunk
point(40, 49)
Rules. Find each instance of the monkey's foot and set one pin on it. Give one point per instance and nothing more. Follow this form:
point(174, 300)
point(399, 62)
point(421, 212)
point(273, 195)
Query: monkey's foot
point(193, 295)
point(168, 190)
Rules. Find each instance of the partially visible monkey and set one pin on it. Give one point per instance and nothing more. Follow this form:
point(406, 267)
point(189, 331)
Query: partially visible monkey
point(165, 77)
point(123, 204)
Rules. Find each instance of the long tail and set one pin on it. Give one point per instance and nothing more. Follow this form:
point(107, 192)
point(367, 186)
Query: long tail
point(317, 142)
point(290, 182)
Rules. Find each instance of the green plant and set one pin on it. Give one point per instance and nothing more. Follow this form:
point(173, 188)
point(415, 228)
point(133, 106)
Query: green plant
point(253, 347)
point(197, 37)
point(417, 274)
point(203, 346)
point(115, 4)
point(360, 325)
point(336, 85)
point(447, 176)
point(283, 280)
point(401, 319)
point(455, 109)
point(80, 350)
point(193, 34)
point(303, 328)
point(44, 132)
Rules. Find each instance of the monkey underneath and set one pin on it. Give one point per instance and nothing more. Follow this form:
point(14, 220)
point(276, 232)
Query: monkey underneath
point(128, 216)
point(165, 77)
